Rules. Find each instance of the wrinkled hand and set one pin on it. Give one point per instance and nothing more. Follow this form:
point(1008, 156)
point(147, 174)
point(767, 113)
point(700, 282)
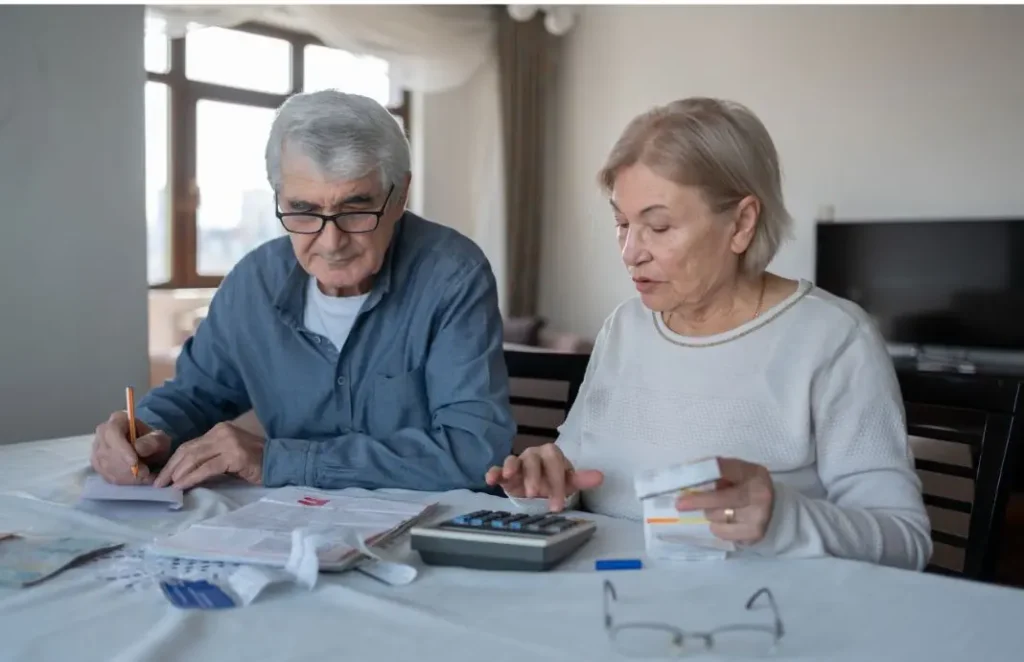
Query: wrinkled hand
point(542, 471)
point(225, 449)
point(745, 488)
point(113, 456)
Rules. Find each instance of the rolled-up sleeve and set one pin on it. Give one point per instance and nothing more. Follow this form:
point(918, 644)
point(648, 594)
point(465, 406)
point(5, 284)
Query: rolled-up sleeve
point(471, 419)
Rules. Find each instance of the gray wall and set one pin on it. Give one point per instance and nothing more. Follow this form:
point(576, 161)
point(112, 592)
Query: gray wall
point(72, 225)
point(882, 112)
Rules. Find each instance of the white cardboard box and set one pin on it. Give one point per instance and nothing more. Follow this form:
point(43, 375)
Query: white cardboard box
point(668, 533)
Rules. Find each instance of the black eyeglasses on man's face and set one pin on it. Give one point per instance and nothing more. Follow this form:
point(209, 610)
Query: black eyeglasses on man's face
point(310, 222)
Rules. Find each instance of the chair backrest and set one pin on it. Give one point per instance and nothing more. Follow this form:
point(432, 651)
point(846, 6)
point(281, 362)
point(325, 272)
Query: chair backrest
point(543, 386)
point(962, 432)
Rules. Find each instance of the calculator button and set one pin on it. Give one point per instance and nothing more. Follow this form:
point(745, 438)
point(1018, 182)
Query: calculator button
point(515, 521)
point(499, 522)
point(482, 521)
point(464, 519)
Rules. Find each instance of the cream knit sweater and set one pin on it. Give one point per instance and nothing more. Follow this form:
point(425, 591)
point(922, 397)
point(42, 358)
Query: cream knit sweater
point(807, 390)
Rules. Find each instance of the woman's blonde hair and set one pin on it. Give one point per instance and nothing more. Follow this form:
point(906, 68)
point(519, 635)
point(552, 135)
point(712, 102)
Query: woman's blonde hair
point(718, 146)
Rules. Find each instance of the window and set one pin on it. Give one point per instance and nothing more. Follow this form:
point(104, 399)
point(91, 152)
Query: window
point(210, 101)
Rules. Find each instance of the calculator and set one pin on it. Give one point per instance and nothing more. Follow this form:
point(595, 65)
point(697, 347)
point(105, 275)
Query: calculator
point(500, 540)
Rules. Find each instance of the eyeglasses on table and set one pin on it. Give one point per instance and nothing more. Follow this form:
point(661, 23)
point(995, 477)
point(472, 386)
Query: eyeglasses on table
point(659, 639)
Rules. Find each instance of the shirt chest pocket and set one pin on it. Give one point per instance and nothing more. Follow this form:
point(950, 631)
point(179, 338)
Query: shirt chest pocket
point(398, 401)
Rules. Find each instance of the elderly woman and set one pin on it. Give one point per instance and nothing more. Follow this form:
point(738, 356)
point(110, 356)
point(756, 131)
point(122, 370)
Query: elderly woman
point(790, 386)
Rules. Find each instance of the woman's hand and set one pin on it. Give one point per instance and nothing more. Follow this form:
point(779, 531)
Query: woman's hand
point(542, 471)
point(740, 509)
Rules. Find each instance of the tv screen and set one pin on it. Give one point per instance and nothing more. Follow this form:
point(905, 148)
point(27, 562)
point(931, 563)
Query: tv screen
point(948, 283)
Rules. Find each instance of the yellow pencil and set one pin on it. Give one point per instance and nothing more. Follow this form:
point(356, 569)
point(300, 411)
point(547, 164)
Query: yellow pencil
point(129, 395)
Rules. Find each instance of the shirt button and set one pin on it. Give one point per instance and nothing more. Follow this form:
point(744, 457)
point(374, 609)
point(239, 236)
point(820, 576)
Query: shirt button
point(341, 381)
point(317, 339)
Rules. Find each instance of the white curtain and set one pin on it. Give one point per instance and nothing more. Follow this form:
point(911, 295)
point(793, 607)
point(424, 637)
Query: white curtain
point(429, 50)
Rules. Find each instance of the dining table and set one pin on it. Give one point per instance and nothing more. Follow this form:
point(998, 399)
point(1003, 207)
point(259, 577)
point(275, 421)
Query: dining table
point(111, 608)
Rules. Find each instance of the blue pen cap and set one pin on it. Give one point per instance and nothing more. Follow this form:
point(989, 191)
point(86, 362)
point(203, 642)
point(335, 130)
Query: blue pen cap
point(618, 564)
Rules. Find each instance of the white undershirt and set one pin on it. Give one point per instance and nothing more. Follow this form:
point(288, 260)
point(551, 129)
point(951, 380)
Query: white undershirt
point(331, 317)
point(807, 390)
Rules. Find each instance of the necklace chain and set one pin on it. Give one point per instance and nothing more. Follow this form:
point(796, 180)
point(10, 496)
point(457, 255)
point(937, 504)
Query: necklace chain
point(760, 297)
point(789, 304)
point(757, 310)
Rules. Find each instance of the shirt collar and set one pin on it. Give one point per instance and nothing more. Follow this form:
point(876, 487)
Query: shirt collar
point(291, 297)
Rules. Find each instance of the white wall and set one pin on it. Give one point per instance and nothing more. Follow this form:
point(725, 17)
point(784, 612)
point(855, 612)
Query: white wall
point(73, 245)
point(880, 111)
point(457, 153)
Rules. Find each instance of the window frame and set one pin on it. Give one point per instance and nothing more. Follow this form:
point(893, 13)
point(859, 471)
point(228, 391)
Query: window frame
point(184, 97)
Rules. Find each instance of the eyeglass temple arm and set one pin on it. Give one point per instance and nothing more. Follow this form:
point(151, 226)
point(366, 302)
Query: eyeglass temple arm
point(609, 590)
point(779, 629)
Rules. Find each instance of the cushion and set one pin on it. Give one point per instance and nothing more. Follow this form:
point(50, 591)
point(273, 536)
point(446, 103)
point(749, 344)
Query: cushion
point(523, 330)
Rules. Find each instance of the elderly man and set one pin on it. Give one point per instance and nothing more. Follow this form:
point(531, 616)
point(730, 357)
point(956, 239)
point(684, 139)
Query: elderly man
point(368, 341)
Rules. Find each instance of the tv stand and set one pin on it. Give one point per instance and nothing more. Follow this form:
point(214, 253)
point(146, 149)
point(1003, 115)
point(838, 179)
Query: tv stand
point(946, 364)
point(957, 360)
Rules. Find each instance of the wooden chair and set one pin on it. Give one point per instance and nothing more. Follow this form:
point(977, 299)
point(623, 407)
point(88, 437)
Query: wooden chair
point(543, 387)
point(966, 445)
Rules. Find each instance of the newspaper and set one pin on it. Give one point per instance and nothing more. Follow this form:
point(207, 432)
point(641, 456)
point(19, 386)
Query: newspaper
point(261, 532)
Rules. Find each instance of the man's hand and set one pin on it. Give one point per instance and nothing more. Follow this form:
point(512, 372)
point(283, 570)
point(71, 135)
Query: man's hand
point(741, 508)
point(542, 471)
point(113, 456)
point(225, 449)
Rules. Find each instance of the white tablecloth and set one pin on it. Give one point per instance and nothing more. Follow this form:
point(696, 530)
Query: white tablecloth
point(832, 609)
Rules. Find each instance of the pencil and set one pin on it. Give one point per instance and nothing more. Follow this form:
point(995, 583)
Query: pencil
point(129, 396)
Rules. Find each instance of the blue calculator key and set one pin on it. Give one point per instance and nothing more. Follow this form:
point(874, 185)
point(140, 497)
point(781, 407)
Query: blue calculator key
point(527, 522)
point(480, 521)
point(515, 522)
point(464, 519)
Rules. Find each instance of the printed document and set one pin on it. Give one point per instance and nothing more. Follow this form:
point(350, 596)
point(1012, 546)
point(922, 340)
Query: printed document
point(261, 532)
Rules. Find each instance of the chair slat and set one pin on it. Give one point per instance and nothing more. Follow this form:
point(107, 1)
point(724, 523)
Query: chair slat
point(544, 403)
point(945, 468)
point(531, 374)
point(534, 431)
point(947, 503)
point(949, 539)
point(979, 413)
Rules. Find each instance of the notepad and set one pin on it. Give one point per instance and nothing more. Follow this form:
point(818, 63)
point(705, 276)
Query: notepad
point(261, 532)
point(98, 489)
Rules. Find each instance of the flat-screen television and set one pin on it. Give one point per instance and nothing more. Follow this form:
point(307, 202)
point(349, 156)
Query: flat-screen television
point(950, 283)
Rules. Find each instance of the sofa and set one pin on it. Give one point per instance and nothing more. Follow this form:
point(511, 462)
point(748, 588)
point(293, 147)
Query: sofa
point(534, 334)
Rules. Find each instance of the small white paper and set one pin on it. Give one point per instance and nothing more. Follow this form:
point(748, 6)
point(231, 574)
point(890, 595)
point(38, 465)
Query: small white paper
point(303, 568)
point(391, 573)
point(98, 489)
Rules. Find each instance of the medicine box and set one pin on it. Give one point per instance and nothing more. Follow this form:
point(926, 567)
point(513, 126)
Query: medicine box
point(668, 533)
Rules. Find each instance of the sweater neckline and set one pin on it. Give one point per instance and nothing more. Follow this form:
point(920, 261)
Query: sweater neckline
point(803, 287)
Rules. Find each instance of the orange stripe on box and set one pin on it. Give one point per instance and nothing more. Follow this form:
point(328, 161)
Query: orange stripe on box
point(676, 520)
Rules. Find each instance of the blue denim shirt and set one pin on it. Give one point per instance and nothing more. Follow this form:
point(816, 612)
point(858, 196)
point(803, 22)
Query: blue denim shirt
point(417, 398)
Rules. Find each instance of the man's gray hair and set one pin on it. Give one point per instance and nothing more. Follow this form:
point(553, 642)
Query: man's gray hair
point(345, 135)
